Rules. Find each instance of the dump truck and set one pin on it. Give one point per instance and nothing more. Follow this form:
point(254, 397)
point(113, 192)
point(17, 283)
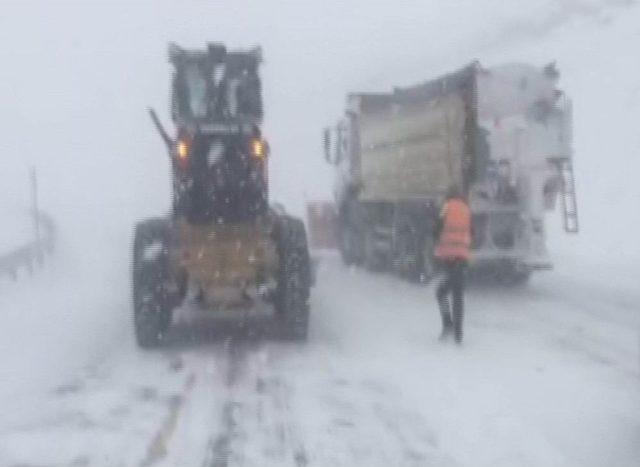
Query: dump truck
point(501, 134)
point(222, 243)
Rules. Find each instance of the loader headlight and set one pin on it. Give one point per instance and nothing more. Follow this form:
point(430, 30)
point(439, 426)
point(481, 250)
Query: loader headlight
point(183, 150)
point(258, 148)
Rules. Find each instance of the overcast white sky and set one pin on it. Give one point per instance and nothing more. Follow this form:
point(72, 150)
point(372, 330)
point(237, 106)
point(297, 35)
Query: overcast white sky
point(77, 76)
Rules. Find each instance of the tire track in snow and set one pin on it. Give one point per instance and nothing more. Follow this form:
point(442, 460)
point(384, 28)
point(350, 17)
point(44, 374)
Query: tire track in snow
point(219, 449)
point(255, 418)
point(158, 448)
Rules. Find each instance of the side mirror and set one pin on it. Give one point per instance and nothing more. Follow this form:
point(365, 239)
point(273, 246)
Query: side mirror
point(326, 139)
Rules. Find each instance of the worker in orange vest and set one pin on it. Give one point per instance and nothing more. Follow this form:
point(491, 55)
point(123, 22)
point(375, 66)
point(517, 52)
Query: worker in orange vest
point(452, 249)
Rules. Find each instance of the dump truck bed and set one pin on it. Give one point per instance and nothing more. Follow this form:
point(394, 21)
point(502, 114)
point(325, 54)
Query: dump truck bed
point(413, 144)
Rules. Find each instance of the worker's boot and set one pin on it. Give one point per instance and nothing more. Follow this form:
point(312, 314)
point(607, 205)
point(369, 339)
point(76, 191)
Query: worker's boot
point(447, 330)
point(457, 334)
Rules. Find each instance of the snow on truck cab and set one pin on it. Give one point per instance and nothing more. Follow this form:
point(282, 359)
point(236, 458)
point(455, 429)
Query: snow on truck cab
point(502, 133)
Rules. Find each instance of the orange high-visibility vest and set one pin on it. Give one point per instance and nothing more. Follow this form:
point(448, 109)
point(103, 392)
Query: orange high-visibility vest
point(455, 238)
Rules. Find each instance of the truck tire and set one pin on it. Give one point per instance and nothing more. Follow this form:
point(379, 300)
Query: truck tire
point(152, 303)
point(413, 255)
point(294, 280)
point(429, 268)
point(506, 275)
point(350, 233)
point(515, 278)
point(407, 254)
point(373, 259)
point(350, 245)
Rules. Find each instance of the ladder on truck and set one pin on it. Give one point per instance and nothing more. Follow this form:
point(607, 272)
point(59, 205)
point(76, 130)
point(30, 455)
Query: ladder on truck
point(568, 193)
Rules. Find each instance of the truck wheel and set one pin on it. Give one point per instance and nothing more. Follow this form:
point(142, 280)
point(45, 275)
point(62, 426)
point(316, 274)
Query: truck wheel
point(428, 261)
point(515, 278)
point(407, 255)
point(152, 303)
point(413, 255)
point(509, 275)
point(373, 259)
point(351, 249)
point(294, 280)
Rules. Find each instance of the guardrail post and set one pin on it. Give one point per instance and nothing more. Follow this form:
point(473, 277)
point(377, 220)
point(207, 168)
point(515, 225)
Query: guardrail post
point(31, 254)
point(36, 215)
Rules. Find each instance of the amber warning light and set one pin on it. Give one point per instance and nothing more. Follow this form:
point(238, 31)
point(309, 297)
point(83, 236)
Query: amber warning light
point(258, 148)
point(182, 152)
point(183, 149)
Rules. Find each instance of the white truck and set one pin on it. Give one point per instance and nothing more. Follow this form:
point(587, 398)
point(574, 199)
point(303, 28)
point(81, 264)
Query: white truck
point(502, 134)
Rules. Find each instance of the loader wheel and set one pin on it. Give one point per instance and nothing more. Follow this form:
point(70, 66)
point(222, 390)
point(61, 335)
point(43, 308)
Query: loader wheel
point(294, 280)
point(152, 303)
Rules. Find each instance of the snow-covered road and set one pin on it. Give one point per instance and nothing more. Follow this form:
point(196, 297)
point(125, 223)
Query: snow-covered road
point(548, 375)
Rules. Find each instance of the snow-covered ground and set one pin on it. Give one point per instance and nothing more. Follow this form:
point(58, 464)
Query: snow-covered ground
point(548, 375)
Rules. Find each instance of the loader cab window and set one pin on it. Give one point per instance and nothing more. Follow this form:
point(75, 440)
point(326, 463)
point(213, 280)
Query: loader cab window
point(196, 91)
point(219, 92)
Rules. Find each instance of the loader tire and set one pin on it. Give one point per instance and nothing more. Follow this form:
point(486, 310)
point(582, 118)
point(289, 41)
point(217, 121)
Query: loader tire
point(152, 303)
point(294, 280)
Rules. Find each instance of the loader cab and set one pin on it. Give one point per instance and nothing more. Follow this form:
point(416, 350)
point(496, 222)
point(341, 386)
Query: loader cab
point(215, 86)
point(219, 155)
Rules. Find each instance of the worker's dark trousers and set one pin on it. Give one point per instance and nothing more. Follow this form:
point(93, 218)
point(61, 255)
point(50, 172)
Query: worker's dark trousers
point(450, 292)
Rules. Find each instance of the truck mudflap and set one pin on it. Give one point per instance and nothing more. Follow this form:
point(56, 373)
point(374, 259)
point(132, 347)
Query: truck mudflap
point(510, 270)
point(504, 236)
